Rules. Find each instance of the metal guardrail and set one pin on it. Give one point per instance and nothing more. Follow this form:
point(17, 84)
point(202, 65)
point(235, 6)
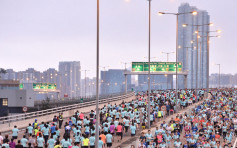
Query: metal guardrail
point(36, 114)
point(77, 99)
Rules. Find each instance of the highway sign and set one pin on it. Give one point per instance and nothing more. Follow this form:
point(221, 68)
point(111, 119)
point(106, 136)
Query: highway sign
point(21, 86)
point(24, 109)
point(44, 86)
point(156, 66)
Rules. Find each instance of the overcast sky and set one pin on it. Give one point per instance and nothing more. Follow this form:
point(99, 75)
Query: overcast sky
point(40, 33)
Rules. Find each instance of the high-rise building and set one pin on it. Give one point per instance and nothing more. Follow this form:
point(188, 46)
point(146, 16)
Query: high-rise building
point(70, 78)
point(29, 76)
point(192, 46)
point(157, 82)
point(113, 81)
point(51, 76)
point(9, 75)
point(226, 80)
point(88, 87)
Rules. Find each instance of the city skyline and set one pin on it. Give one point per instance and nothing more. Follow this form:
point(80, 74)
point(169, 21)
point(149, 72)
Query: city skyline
point(57, 35)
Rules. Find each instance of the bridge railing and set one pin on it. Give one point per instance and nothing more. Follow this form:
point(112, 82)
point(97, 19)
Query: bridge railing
point(77, 99)
point(24, 116)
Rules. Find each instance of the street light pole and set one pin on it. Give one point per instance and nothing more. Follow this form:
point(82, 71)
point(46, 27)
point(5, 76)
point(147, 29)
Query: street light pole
point(197, 32)
point(149, 60)
point(177, 46)
point(219, 75)
point(97, 78)
point(85, 83)
point(167, 54)
point(125, 77)
point(208, 53)
point(197, 62)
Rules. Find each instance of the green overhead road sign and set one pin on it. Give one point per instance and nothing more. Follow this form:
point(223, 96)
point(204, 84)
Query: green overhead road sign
point(21, 86)
point(156, 66)
point(44, 86)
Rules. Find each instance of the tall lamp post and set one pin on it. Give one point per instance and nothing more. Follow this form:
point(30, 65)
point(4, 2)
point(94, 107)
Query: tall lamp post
point(149, 66)
point(219, 75)
point(208, 53)
point(125, 77)
point(177, 46)
point(167, 53)
point(151, 58)
point(97, 76)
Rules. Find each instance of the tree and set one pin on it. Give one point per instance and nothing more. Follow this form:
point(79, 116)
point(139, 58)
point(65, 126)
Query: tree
point(45, 104)
point(2, 71)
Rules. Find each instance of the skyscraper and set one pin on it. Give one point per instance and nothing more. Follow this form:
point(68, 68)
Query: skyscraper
point(9, 75)
point(192, 46)
point(88, 87)
point(29, 76)
point(70, 78)
point(158, 82)
point(113, 81)
point(51, 76)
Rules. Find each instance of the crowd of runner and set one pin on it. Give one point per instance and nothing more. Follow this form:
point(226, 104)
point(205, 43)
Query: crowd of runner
point(211, 124)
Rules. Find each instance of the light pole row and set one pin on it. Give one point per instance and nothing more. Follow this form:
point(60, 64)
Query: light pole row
point(149, 53)
point(197, 46)
point(177, 46)
point(208, 53)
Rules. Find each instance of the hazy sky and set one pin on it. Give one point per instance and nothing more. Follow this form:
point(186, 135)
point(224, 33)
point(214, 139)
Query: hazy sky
point(40, 33)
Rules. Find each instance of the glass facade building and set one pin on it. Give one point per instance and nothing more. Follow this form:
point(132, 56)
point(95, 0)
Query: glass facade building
point(192, 47)
point(113, 81)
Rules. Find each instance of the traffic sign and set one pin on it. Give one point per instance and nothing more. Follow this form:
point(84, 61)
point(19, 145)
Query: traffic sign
point(45, 86)
point(156, 66)
point(24, 109)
